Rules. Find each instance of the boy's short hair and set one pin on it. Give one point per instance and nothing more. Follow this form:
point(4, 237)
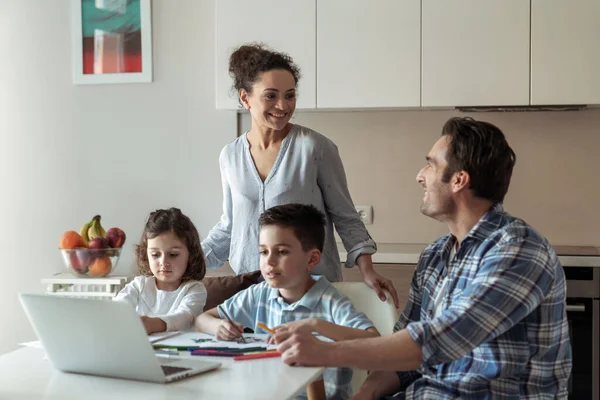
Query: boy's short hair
point(306, 221)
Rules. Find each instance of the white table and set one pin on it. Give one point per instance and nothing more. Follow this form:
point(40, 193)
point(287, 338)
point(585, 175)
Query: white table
point(26, 374)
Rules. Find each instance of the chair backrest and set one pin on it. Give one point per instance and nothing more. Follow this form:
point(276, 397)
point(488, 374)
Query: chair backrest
point(383, 315)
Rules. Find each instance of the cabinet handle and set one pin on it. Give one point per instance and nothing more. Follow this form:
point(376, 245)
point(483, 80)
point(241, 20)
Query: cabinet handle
point(576, 308)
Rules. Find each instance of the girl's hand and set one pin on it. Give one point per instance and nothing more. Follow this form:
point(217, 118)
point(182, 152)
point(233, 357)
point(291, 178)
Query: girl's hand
point(229, 330)
point(153, 325)
point(303, 326)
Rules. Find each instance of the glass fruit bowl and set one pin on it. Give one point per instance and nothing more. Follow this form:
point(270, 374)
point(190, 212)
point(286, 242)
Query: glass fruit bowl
point(93, 263)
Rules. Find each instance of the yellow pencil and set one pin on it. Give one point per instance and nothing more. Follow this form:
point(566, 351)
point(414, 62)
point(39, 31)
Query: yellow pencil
point(260, 352)
point(265, 328)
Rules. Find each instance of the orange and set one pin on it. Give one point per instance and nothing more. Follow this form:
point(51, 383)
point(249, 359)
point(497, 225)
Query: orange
point(100, 266)
point(71, 240)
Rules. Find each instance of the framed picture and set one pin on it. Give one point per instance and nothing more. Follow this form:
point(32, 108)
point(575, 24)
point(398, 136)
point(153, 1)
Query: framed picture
point(111, 41)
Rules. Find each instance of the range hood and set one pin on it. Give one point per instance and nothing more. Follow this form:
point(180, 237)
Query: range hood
point(569, 107)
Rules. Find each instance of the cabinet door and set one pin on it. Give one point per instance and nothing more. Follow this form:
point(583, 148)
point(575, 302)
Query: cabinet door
point(565, 52)
point(286, 26)
point(475, 52)
point(368, 53)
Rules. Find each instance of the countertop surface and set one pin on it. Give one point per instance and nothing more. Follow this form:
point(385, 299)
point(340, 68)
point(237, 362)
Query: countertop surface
point(400, 253)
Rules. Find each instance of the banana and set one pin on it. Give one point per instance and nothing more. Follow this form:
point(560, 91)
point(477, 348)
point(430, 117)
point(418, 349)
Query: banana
point(83, 232)
point(95, 229)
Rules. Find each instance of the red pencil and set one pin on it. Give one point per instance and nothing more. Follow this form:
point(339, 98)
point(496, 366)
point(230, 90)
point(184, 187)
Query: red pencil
point(268, 354)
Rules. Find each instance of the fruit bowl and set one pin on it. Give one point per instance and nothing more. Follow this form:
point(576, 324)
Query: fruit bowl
point(93, 263)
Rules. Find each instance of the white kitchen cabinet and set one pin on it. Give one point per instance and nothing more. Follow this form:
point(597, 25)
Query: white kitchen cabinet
point(475, 52)
point(565, 52)
point(287, 26)
point(368, 53)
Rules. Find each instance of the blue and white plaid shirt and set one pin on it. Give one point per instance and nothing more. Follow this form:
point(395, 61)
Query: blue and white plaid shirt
point(503, 330)
point(261, 303)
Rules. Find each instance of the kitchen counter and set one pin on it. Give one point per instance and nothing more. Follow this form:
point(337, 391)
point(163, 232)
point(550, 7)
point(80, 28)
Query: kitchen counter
point(398, 253)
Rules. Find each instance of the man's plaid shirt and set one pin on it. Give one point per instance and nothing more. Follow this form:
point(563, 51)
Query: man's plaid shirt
point(503, 331)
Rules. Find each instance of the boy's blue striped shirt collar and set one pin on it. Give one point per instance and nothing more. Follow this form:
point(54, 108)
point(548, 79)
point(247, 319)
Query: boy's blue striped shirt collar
point(310, 298)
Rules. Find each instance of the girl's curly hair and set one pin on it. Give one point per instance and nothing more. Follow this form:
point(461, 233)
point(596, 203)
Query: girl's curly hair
point(163, 221)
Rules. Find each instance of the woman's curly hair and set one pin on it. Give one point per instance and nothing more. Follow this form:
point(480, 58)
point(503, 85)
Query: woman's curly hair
point(172, 220)
point(247, 62)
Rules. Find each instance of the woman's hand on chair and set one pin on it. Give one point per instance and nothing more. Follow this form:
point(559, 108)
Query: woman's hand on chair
point(375, 281)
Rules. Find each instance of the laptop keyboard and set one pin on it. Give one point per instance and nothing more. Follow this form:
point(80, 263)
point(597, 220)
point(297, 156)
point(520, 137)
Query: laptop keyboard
point(168, 370)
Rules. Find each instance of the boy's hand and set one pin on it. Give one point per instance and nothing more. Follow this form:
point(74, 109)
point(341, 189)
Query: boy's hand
point(304, 349)
point(282, 332)
point(229, 330)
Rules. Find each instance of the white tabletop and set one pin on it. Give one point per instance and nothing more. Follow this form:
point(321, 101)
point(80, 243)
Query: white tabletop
point(26, 374)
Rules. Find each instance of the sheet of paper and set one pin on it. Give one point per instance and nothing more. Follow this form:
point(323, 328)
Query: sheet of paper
point(158, 336)
point(197, 339)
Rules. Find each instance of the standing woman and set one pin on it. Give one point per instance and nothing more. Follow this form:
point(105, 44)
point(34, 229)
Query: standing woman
point(277, 162)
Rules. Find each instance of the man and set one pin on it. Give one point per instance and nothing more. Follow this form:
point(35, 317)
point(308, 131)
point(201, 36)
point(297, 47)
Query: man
point(486, 316)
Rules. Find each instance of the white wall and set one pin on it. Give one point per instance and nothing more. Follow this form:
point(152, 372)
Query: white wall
point(68, 152)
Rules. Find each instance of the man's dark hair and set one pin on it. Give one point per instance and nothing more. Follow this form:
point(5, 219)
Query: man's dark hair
point(480, 149)
point(306, 221)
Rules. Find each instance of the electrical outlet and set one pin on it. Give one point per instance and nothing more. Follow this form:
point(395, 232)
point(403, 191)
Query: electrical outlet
point(366, 214)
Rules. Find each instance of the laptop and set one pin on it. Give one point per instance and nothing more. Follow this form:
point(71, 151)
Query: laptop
point(103, 338)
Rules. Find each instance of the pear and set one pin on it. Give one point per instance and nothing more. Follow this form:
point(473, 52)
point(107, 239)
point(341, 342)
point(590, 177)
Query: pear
point(96, 230)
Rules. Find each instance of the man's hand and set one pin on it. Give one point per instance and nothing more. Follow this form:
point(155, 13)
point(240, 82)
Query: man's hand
point(303, 349)
point(362, 396)
point(377, 385)
point(229, 331)
point(375, 281)
point(284, 331)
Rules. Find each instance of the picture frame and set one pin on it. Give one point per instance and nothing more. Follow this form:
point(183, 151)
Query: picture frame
point(111, 41)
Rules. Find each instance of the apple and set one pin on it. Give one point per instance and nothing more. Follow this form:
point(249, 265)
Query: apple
point(80, 260)
point(116, 238)
point(98, 243)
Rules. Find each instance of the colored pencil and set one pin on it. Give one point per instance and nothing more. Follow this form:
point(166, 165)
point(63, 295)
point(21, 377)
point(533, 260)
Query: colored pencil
point(269, 354)
point(230, 349)
point(259, 352)
point(180, 348)
point(214, 353)
point(265, 328)
point(168, 352)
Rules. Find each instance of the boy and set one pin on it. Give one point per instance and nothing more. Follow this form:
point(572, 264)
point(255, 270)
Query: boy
point(290, 299)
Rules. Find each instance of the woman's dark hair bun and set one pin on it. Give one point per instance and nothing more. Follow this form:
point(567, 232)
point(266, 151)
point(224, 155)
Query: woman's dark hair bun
point(248, 61)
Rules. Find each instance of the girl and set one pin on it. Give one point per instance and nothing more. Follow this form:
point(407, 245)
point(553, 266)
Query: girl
point(167, 294)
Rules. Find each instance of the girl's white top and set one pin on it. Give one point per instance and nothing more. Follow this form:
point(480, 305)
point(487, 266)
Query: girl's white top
point(177, 308)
